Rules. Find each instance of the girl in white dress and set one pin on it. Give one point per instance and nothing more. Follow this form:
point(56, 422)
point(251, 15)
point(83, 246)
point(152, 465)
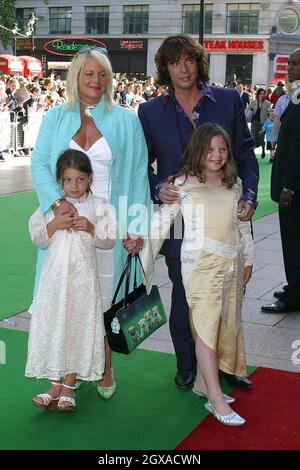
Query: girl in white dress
point(216, 256)
point(66, 338)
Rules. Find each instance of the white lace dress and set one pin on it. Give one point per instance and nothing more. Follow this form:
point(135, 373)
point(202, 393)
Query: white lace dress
point(67, 330)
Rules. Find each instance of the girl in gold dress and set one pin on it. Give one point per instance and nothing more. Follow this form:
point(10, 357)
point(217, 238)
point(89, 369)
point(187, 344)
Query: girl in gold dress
point(217, 258)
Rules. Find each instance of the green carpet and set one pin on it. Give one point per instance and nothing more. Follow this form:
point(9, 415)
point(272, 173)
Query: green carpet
point(147, 411)
point(17, 255)
point(265, 206)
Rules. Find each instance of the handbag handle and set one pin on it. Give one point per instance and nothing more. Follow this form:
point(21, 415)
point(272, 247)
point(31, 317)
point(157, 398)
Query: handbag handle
point(127, 272)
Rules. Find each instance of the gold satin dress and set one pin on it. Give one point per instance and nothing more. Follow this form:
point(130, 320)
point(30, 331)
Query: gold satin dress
point(216, 246)
point(214, 279)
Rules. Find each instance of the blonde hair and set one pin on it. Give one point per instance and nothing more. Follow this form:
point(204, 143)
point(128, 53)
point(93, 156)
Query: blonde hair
point(75, 71)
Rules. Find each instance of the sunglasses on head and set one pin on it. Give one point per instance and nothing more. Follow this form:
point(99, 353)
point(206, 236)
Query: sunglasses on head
point(87, 49)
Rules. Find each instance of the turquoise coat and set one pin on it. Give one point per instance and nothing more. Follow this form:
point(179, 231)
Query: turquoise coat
point(128, 175)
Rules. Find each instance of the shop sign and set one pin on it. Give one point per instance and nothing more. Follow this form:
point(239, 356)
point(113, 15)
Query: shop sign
point(280, 67)
point(131, 44)
point(69, 46)
point(234, 45)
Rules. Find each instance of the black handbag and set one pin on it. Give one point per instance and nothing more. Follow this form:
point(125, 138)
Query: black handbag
point(133, 319)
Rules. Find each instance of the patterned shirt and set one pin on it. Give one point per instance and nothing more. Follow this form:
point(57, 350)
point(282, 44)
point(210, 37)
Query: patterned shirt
point(185, 124)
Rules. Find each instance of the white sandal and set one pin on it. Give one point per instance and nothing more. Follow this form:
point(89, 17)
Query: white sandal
point(48, 401)
point(65, 399)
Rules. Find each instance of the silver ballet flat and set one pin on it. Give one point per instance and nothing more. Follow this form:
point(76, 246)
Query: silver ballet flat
point(233, 419)
point(200, 393)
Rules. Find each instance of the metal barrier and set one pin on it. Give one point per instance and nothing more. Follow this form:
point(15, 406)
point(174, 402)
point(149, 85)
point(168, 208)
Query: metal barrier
point(16, 136)
point(31, 129)
point(5, 134)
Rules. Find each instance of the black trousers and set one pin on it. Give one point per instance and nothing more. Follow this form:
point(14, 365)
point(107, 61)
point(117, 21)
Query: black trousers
point(290, 238)
point(179, 319)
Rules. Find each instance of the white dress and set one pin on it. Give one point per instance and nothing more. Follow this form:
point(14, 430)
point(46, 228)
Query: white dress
point(67, 330)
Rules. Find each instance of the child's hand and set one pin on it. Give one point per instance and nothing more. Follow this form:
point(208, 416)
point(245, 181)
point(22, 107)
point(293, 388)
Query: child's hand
point(82, 224)
point(247, 275)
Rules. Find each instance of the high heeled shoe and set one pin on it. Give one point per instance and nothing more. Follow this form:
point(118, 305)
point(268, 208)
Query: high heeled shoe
point(233, 419)
point(107, 392)
point(200, 393)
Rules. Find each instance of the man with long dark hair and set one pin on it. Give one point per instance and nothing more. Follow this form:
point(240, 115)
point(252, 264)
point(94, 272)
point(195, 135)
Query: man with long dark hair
point(168, 122)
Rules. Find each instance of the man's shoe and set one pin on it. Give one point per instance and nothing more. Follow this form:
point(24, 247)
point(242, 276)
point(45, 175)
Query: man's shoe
point(276, 307)
point(184, 379)
point(235, 381)
point(277, 294)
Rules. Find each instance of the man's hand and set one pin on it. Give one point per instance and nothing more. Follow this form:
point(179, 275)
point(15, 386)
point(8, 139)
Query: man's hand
point(245, 211)
point(285, 200)
point(133, 243)
point(168, 193)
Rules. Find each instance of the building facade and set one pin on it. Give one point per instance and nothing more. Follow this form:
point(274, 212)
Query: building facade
point(246, 41)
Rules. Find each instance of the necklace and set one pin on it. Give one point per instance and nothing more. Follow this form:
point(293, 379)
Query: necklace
point(88, 108)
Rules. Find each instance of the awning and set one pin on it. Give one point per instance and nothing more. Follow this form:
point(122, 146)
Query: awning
point(10, 64)
point(58, 65)
point(32, 66)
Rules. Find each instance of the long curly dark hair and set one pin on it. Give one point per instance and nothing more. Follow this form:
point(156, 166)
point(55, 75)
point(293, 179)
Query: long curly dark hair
point(171, 49)
point(193, 159)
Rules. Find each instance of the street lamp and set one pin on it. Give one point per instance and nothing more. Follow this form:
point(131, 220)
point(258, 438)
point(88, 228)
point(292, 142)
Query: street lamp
point(30, 30)
point(201, 21)
point(15, 32)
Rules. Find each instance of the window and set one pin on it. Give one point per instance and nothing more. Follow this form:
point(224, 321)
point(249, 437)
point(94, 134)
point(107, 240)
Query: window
point(60, 20)
point(23, 15)
point(96, 20)
point(191, 17)
point(136, 19)
point(242, 18)
point(288, 21)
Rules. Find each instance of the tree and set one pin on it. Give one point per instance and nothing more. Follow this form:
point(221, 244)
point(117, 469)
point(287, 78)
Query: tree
point(7, 19)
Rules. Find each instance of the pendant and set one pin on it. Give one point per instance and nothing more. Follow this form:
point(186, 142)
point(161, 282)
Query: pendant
point(87, 111)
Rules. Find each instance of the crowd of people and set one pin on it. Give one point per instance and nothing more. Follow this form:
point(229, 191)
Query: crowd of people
point(25, 96)
point(186, 145)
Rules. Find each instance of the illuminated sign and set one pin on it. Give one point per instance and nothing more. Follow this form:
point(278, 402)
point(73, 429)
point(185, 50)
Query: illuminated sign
point(69, 46)
point(233, 45)
point(131, 44)
point(280, 68)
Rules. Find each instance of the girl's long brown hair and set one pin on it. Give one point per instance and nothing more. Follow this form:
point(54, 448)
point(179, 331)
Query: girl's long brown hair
point(192, 161)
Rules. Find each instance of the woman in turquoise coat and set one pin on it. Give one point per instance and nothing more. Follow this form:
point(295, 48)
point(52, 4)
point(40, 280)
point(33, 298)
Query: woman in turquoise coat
point(113, 139)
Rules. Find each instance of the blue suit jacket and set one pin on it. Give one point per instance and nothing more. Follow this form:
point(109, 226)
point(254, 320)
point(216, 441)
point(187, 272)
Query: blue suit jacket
point(158, 118)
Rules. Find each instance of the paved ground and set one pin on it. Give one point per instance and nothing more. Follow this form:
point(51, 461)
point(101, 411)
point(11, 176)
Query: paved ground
point(269, 337)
